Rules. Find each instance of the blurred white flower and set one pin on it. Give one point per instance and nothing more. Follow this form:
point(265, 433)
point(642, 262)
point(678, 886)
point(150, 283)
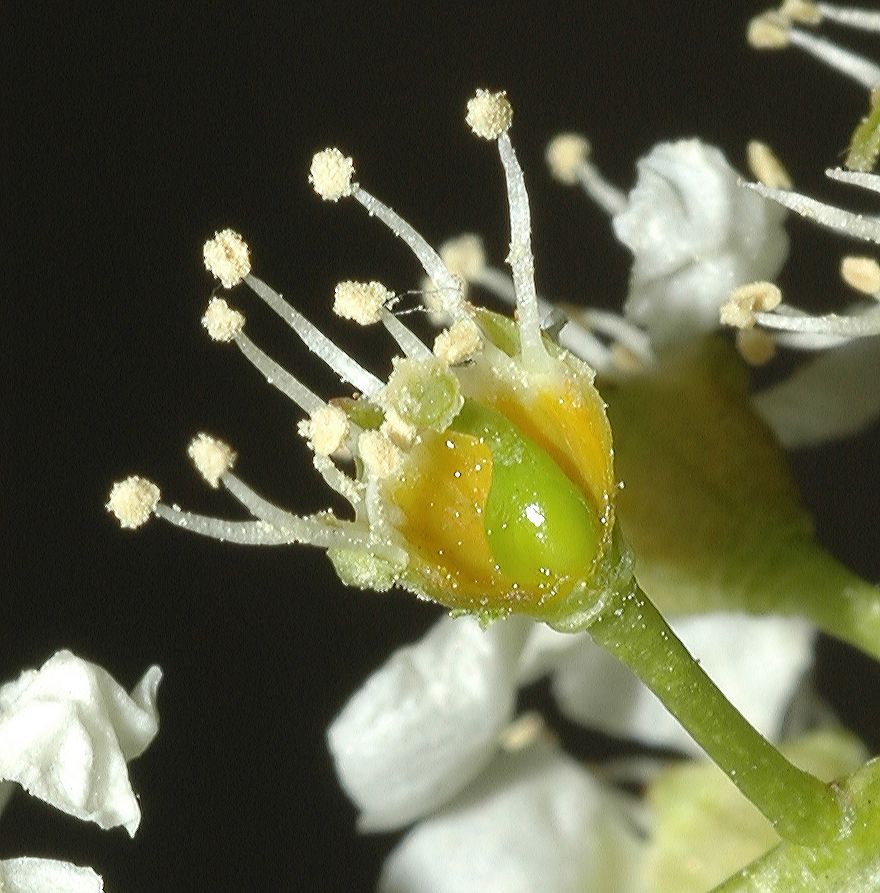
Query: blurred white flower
point(535, 820)
point(47, 876)
point(695, 234)
point(423, 738)
point(67, 731)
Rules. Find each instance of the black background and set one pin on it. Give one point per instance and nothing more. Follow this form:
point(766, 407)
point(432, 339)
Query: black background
point(130, 132)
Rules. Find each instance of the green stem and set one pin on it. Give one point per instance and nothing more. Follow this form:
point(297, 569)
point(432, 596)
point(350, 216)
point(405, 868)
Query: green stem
point(813, 584)
point(803, 809)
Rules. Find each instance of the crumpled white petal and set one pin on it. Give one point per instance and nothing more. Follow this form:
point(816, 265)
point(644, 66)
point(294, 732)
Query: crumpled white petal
point(47, 876)
point(536, 820)
point(757, 662)
point(66, 732)
point(831, 397)
point(427, 722)
point(695, 234)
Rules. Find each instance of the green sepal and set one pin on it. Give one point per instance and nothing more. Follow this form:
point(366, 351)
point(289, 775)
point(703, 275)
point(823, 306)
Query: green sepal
point(361, 570)
point(709, 505)
point(704, 830)
point(864, 147)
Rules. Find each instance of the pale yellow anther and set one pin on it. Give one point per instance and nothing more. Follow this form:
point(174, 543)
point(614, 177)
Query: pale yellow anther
point(458, 343)
point(326, 430)
point(768, 31)
point(766, 168)
point(227, 257)
point(565, 153)
point(801, 11)
point(361, 302)
point(744, 302)
point(221, 321)
point(211, 457)
point(332, 175)
point(755, 346)
point(861, 273)
point(464, 256)
point(133, 501)
point(380, 456)
point(399, 431)
point(489, 114)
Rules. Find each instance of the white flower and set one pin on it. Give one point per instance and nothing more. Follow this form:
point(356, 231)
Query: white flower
point(536, 820)
point(695, 234)
point(67, 731)
point(423, 737)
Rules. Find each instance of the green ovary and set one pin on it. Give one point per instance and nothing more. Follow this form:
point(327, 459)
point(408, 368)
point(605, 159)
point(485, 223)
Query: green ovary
point(539, 526)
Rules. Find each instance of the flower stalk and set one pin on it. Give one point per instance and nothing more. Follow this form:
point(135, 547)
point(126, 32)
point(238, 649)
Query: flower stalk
point(800, 807)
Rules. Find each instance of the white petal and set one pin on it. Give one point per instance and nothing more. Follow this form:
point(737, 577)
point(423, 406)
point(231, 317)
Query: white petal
point(66, 731)
point(695, 234)
point(428, 721)
point(757, 662)
point(535, 821)
point(833, 396)
point(47, 876)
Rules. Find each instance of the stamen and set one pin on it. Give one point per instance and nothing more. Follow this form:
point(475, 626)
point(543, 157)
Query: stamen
point(459, 343)
point(856, 225)
point(133, 501)
point(861, 274)
point(464, 256)
point(332, 177)
point(568, 159)
point(319, 530)
point(855, 178)
point(277, 376)
point(744, 303)
point(227, 257)
point(361, 302)
point(489, 115)
point(407, 341)
point(316, 341)
point(221, 321)
point(755, 346)
point(859, 69)
point(774, 31)
point(768, 31)
point(807, 13)
point(341, 483)
point(861, 325)
point(211, 457)
point(326, 429)
point(766, 167)
point(862, 19)
point(380, 456)
point(245, 533)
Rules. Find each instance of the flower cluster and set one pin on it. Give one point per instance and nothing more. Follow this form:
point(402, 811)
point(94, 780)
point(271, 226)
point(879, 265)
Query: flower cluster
point(480, 476)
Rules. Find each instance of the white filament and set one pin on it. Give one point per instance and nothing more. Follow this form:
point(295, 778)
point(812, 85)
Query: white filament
point(316, 341)
point(522, 262)
point(278, 376)
point(862, 71)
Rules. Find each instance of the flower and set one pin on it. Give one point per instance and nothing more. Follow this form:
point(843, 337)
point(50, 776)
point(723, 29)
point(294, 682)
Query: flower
point(427, 738)
point(806, 408)
point(694, 233)
point(67, 731)
point(483, 477)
